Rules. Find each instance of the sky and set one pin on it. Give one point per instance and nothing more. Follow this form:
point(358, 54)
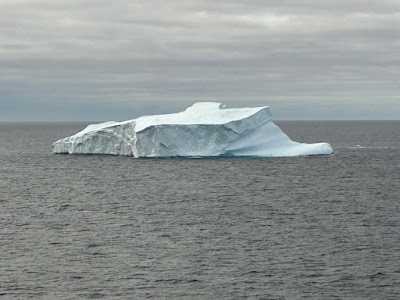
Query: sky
point(80, 60)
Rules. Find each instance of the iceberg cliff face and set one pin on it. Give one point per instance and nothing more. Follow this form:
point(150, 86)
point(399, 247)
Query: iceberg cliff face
point(204, 129)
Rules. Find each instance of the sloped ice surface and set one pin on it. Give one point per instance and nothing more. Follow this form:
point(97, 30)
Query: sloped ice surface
point(204, 129)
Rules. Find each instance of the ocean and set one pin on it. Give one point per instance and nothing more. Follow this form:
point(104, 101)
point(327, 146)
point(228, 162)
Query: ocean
point(108, 227)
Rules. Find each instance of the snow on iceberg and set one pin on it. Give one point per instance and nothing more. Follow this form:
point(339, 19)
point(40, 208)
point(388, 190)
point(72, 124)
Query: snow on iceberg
point(204, 129)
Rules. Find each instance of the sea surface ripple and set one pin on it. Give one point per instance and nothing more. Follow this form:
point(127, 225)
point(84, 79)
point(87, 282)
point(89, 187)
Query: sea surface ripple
point(89, 227)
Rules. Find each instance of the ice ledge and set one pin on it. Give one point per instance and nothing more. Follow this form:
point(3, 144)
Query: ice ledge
point(204, 129)
point(202, 113)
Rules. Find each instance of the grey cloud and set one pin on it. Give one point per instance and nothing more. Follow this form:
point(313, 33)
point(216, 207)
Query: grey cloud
point(319, 57)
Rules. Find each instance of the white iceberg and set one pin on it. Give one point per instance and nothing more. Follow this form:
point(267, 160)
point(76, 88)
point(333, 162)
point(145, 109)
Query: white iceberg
point(204, 129)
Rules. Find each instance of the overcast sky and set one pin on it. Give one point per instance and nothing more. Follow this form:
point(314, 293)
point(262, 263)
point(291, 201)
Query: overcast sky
point(115, 60)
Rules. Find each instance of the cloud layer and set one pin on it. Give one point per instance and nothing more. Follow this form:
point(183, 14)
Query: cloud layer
point(96, 59)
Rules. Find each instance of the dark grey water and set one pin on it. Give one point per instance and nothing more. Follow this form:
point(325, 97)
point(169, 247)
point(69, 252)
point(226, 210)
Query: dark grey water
point(107, 227)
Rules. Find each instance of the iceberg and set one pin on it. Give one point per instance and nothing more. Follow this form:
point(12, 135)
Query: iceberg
point(203, 130)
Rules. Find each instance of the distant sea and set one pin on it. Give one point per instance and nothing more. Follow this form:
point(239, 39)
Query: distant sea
point(106, 227)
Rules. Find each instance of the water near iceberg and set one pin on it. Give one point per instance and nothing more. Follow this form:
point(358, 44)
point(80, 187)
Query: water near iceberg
point(111, 227)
